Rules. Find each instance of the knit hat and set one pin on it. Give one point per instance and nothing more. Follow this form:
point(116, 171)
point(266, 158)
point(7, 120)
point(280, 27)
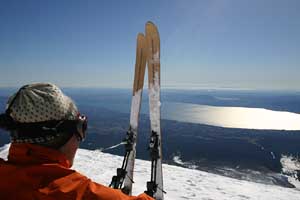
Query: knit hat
point(39, 109)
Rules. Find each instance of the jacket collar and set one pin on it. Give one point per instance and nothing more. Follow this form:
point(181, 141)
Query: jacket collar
point(28, 154)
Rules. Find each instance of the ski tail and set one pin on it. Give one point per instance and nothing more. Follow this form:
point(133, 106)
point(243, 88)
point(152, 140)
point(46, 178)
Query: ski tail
point(155, 186)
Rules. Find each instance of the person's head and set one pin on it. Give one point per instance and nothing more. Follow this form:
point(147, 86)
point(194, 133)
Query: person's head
point(41, 114)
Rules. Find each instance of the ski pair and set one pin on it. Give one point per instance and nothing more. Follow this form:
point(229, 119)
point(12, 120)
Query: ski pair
point(147, 51)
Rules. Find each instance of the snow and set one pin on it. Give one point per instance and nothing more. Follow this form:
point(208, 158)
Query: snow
point(290, 165)
point(154, 96)
point(180, 183)
point(177, 160)
point(155, 59)
point(4, 151)
point(135, 106)
point(273, 155)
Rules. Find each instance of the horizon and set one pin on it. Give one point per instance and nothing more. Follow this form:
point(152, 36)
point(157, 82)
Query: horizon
point(204, 44)
point(171, 87)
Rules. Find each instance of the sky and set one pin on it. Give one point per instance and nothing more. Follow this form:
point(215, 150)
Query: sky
point(247, 44)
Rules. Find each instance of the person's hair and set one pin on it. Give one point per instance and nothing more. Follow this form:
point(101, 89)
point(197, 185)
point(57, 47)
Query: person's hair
point(53, 134)
point(6, 122)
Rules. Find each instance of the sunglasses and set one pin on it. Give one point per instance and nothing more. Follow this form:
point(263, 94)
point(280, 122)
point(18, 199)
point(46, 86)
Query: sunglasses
point(82, 124)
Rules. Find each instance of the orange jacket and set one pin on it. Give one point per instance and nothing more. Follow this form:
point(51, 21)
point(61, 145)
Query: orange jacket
point(36, 172)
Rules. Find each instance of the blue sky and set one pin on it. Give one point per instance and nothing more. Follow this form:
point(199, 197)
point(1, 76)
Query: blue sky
point(214, 43)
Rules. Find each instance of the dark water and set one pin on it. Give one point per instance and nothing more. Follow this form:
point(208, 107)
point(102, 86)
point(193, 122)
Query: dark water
point(205, 147)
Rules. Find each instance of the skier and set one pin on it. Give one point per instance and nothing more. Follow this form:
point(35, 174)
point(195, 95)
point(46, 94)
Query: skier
point(46, 129)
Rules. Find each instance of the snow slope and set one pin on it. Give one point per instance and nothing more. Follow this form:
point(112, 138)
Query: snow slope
point(290, 166)
point(180, 183)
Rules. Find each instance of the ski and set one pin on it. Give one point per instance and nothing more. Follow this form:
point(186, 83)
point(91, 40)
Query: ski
point(125, 173)
point(155, 185)
point(138, 85)
point(148, 51)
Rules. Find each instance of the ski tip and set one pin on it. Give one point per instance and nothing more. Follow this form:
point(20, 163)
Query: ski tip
point(150, 23)
point(140, 35)
point(140, 38)
point(151, 28)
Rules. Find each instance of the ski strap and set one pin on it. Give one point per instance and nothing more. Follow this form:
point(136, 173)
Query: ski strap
point(117, 181)
point(112, 147)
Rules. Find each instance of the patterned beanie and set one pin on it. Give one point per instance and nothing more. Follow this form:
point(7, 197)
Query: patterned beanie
point(40, 102)
point(37, 104)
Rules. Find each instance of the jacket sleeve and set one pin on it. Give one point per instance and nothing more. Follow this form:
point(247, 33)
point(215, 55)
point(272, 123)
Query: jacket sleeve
point(79, 187)
point(100, 192)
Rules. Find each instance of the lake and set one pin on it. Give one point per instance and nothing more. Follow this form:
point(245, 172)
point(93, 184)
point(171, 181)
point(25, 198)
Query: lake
point(231, 117)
